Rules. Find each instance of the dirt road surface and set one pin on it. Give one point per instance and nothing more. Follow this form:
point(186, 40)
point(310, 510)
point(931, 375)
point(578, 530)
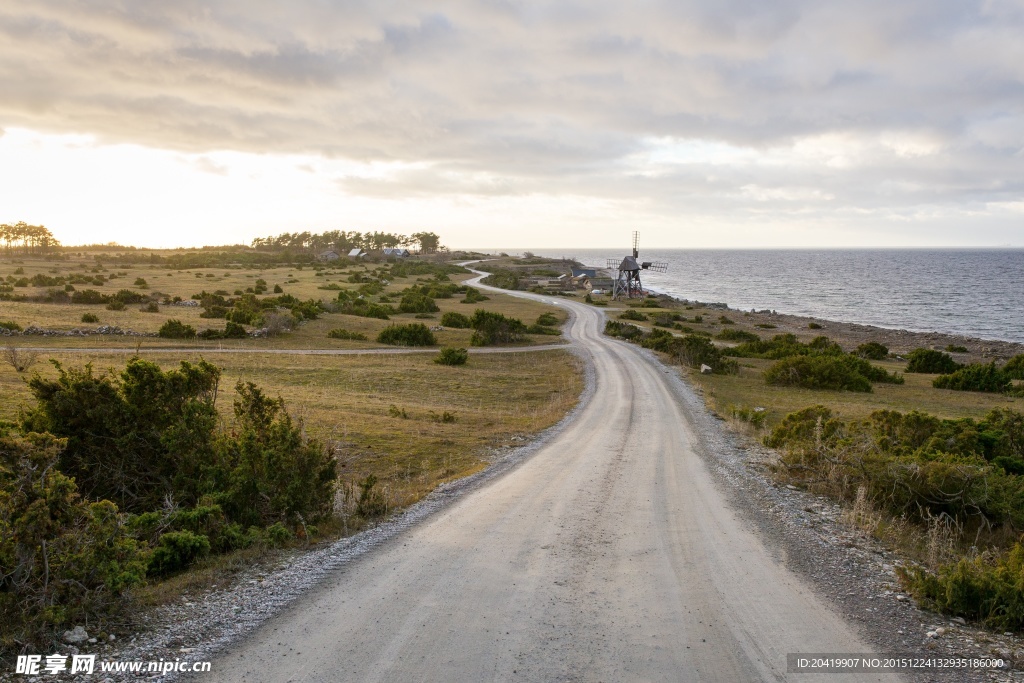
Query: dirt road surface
point(609, 555)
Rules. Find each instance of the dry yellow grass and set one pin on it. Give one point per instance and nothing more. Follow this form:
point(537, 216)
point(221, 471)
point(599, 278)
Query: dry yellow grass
point(304, 283)
point(384, 414)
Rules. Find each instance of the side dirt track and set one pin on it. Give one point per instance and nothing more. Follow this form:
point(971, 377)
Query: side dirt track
point(610, 554)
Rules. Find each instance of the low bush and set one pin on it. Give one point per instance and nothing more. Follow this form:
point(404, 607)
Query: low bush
point(11, 325)
point(452, 356)
point(975, 377)
point(502, 279)
point(547, 319)
point(813, 326)
point(541, 329)
point(175, 329)
point(834, 372)
point(473, 296)
point(341, 333)
point(872, 351)
point(725, 320)
point(115, 305)
point(151, 307)
point(1014, 367)
point(415, 302)
point(65, 560)
point(988, 588)
point(90, 318)
point(930, 361)
point(956, 348)
point(632, 315)
point(177, 550)
point(455, 320)
point(413, 334)
point(732, 334)
point(613, 328)
point(494, 328)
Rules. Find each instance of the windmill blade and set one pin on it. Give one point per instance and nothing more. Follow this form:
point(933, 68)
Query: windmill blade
point(613, 263)
point(656, 266)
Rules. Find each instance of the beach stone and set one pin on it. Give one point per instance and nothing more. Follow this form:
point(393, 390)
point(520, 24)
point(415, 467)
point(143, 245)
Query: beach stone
point(75, 636)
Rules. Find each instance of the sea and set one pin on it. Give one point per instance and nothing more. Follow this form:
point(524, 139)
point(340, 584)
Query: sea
point(971, 292)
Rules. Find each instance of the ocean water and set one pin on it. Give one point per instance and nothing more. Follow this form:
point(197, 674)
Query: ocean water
point(973, 292)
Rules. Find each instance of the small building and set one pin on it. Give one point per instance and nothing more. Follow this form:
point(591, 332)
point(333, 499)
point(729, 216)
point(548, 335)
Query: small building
point(356, 253)
point(396, 252)
point(584, 272)
point(329, 255)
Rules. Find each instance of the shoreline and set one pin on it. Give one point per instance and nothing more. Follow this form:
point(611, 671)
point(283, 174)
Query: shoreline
point(899, 340)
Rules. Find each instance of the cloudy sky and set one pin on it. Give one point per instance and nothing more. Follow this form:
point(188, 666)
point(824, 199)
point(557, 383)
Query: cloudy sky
point(500, 123)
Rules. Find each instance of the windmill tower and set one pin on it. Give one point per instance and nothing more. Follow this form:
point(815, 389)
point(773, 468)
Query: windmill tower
point(628, 281)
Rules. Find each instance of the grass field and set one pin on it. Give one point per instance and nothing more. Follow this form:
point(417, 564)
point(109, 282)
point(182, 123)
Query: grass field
point(302, 282)
point(384, 415)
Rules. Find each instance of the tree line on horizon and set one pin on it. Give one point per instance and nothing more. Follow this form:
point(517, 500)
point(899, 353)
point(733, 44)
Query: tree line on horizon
point(32, 238)
point(342, 241)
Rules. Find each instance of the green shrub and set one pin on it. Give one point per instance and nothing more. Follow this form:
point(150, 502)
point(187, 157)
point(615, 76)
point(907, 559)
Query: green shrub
point(340, 333)
point(234, 331)
point(90, 318)
point(473, 296)
point(1014, 367)
point(784, 346)
point(139, 282)
point(115, 305)
point(810, 425)
point(613, 328)
point(455, 320)
point(278, 289)
point(415, 302)
point(930, 361)
point(177, 550)
point(11, 325)
point(956, 348)
point(151, 307)
point(632, 315)
point(986, 588)
point(87, 296)
point(813, 326)
point(725, 321)
point(873, 351)
point(541, 329)
point(452, 356)
point(732, 334)
point(838, 373)
point(695, 350)
point(975, 377)
point(175, 329)
point(272, 472)
point(766, 326)
point(413, 334)
point(65, 560)
point(502, 279)
point(494, 328)
point(547, 319)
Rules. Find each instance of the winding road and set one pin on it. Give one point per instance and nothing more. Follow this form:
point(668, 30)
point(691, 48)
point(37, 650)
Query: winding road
point(608, 555)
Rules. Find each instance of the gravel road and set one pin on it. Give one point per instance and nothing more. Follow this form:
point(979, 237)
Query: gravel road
point(610, 554)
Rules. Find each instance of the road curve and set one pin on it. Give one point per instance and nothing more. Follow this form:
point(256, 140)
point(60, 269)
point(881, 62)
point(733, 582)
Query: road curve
point(609, 555)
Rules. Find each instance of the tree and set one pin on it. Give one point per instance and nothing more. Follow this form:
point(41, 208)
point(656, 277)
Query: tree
point(429, 242)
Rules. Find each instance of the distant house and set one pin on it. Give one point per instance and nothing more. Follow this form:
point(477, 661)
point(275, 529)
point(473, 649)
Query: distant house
point(329, 255)
point(588, 272)
point(356, 253)
point(396, 252)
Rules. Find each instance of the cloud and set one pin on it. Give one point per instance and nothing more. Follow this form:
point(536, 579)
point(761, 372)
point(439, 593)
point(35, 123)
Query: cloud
point(730, 106)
